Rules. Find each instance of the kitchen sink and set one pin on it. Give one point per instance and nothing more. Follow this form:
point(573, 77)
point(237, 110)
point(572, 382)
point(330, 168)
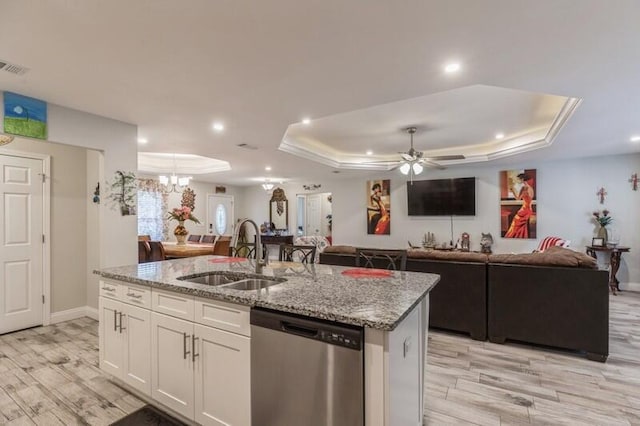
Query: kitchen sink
point(235, 281)
point(251, 284)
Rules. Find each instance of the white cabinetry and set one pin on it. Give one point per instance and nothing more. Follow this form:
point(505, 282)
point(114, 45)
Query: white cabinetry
point(125, 338)
point(190, 354)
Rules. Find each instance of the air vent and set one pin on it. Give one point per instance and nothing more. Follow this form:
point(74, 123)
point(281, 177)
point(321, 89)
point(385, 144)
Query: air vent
point(247, 146)
point(13, 68)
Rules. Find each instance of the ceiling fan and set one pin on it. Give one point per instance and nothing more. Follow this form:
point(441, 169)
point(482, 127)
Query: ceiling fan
point(413, 161)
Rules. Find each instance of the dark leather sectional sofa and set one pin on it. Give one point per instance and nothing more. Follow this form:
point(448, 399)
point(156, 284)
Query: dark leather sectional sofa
point(557, 298)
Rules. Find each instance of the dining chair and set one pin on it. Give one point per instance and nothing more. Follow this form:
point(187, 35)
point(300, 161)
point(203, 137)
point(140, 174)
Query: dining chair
point(156, 251)
point(144, 251)
point(247, 250)
point(382, 259)
point(208, 239)
point(297, 253)
point(144, 237)
point(194, 238)
point(222, 246)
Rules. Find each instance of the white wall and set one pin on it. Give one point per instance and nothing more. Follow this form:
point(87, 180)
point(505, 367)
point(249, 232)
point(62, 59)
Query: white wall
point(566, 196)
point(117, 142)
point(94, 172)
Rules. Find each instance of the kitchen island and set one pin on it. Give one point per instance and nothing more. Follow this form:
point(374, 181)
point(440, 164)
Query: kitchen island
point(159, 310)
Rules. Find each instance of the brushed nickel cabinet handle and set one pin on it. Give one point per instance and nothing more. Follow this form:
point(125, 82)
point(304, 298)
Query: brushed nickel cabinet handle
point(135, 296)
point(109, 288)
point(115, 321)
point(193, 348)
point(184, 345)
point(121, 327)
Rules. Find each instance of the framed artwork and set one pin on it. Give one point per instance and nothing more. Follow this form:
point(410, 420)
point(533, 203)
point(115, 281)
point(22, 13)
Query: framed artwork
point(518, 205)
point(379, 207)
point(597, 242)
point(24, 116)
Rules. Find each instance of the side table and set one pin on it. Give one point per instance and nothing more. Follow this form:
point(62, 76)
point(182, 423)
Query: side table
point(615, 253)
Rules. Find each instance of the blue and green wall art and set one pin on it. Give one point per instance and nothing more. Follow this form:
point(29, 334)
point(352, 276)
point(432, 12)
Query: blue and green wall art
point(25, 116)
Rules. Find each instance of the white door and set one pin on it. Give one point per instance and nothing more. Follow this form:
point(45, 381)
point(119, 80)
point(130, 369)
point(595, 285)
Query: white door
point(220, 214)
point(222, 378)
point(21, 243)
point(111, 338)
point(137, 347)
point(314, 208)
point(171, 363)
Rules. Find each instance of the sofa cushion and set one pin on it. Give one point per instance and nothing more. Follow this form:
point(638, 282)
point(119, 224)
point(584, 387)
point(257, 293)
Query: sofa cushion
point(553, 256)
point(456, 256)
point(340, 249)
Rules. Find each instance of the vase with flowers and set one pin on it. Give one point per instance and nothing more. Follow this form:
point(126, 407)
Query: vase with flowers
point(181, 214)
point(603, 219)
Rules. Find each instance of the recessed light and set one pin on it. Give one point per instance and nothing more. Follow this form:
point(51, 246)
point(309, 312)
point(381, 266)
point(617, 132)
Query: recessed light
point(635, 138)
point(142, 140)
point(452, 67)
point(369, 152)
point(499, 135)
point(306, 120)
point(218, 127)
point(268, 168)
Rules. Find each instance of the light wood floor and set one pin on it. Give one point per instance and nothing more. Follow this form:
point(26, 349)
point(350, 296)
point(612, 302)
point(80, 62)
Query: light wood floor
point(489, 384)
point(50, 376)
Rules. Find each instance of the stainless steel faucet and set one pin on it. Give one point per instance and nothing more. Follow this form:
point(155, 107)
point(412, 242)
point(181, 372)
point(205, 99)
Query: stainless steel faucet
point(260, 261)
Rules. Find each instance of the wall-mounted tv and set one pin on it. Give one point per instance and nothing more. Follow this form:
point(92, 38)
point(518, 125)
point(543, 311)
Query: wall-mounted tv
point(442, 197)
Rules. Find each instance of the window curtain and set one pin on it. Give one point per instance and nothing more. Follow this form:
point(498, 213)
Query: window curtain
point(152, 205)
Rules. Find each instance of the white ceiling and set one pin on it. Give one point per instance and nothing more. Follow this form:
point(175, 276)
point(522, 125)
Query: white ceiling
point(173, 68)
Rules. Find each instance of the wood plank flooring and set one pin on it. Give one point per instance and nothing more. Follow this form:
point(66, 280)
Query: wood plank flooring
point(50, 376)
point(471, 382)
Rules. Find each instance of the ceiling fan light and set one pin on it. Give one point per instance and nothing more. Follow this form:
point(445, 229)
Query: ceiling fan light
point(267, 186)
point(164, 180)
point(404, 169)
point(417, 168)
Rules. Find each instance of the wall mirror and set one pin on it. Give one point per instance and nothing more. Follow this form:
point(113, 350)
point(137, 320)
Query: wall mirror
point(279, 210)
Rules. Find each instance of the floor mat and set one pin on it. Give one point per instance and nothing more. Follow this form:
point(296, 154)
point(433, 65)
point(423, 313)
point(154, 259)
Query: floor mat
point(148, 415)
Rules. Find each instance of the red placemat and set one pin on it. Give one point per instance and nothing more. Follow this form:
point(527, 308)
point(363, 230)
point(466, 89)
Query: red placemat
point(367, 273)
point(227, 259)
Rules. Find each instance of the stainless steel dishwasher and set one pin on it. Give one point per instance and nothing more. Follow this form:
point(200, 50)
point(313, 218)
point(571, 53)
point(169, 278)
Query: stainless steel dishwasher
point(305, 371)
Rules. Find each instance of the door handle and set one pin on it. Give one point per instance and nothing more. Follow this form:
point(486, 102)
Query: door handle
point(185, 352)
point(121, 328)
point(115, 321)
point(193, 348)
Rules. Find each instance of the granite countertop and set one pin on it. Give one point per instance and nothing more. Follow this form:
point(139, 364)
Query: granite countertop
point(318, 291)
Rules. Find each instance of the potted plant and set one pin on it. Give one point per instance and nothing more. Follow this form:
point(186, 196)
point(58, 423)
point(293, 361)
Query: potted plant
point(603, 219)
point(181, 214)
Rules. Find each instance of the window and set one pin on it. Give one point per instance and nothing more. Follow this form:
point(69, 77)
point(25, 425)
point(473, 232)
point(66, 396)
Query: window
point(221, 219)
point(152, 205)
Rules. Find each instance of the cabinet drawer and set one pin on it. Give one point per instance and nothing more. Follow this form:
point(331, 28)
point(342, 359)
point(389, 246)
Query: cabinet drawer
point(171, 303)
point(136, 295)
point(223, 315)
point(109, 289)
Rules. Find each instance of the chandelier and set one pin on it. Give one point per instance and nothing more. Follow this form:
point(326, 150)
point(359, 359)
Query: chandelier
point(267, 186)
point(173, 183)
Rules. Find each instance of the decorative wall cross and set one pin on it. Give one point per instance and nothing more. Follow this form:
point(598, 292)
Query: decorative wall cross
point(601, 193)
point(634, 181)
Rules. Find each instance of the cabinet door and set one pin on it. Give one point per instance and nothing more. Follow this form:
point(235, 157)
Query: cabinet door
point(222, 377)
point(136, 324)
point(111, 339)
point(171, 363)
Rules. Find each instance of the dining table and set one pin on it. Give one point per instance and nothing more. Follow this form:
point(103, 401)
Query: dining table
point(172, 250)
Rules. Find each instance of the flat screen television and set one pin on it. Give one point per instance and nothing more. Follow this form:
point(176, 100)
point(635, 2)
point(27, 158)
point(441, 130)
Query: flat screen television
point(442, 197)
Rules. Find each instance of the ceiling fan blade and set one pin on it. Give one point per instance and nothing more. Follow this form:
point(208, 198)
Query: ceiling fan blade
point(432, 164)
point(407, 157)
point(446, 157)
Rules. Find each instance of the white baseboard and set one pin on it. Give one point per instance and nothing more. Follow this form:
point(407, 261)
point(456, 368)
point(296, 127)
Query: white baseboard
point(75, 313)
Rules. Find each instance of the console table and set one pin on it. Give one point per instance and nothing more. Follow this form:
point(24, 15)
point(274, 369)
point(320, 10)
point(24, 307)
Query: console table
point(276, 239)
point(615, 253)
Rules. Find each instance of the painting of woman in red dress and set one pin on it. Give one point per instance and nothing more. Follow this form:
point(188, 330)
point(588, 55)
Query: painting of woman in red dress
point(378, 209)
point(518, 213)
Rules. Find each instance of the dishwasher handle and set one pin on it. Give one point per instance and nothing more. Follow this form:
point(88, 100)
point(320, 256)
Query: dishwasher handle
point(299, 330)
